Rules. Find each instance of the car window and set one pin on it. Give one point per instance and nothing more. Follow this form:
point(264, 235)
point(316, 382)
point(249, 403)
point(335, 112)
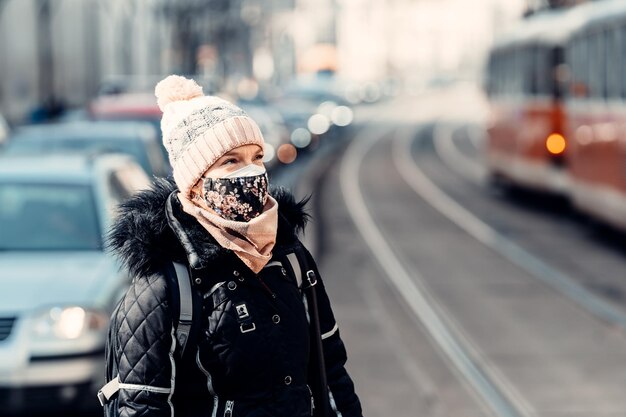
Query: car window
point(130, 146)
point(48, 217)
point(154, 121)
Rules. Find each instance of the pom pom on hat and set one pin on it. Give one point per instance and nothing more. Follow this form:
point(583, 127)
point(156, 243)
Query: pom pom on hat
point(176, 88)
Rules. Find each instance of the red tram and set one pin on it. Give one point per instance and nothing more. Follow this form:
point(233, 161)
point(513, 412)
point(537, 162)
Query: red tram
point(526, 139)
point(557, 88)
point(596, 112)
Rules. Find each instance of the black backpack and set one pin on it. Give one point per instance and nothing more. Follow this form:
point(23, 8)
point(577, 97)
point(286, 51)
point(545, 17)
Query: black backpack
point(182, 293)
point(107, 394)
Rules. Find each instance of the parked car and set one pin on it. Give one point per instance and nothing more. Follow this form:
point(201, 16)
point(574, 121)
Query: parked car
point(58, 285)
point(138, 107)
point(139, 140)
point(127, 106)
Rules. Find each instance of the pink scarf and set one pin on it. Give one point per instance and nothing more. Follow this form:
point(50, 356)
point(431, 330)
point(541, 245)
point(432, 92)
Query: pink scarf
point(251, 241)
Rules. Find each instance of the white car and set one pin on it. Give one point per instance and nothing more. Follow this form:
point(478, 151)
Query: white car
point(138, 139)
point(57, 284)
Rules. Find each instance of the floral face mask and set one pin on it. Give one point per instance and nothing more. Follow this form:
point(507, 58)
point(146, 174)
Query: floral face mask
point(240, 196)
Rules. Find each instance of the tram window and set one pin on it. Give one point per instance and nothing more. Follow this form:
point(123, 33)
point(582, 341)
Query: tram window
point(593, 74)
point(509, 74)
point(558, 72)
point(517, 86)
point(532, 70)
point(507, 77)
point(536, 70)
point(517, 80)
point(601, 65)
point(523, 72)
point(545, 72)
point(613, 66)
point(504, 74)
point(489, 76)
point(517, 62)
point(622, 59)
point(497, 75)
point(577, 62)
point(571, 60)
point(583, 67)
point(500, 75)
point(582, 62)
point(598, 65)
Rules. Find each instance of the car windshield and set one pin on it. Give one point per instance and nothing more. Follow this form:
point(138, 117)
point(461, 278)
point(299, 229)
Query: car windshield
point(154, 121)
point(48, 217)
point(39, 145)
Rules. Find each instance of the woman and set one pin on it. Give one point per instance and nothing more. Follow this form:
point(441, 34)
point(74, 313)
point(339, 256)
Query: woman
point(248, 352)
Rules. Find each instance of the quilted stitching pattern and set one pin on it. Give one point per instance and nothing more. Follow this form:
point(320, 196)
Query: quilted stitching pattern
point(144, 340)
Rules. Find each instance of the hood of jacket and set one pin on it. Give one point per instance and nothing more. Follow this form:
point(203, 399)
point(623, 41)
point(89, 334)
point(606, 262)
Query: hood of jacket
point(152, 230)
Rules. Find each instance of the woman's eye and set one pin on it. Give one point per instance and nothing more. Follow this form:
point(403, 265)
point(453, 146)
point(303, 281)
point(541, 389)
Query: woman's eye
point(229, 161)
point(259, 157)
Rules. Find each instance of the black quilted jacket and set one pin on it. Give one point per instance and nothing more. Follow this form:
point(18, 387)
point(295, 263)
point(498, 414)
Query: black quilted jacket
point(249, 350)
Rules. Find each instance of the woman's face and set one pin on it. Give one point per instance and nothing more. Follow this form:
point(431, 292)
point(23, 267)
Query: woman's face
point(235, 159)
point(230, 162)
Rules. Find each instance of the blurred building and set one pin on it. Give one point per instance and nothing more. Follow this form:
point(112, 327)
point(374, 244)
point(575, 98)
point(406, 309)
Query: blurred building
point(60, 51)
point(416, 40)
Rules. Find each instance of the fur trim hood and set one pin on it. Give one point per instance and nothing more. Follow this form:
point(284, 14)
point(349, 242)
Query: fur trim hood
point(152, 230)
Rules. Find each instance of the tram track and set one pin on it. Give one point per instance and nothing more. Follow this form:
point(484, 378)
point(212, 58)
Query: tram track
point(453, 157)
point(494, 392)
point(497, 386)
point(487, 235)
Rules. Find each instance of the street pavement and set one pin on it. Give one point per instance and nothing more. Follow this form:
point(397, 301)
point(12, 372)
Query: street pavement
point(452, 298)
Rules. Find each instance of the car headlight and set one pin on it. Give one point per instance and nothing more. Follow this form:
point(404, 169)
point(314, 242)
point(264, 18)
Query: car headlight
point(69, 322)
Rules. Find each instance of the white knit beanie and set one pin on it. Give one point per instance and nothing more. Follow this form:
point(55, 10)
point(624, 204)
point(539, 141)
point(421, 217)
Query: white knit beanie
point(198, 129)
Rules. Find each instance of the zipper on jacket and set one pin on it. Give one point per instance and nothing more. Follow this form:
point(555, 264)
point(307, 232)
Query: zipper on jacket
point(228, 410)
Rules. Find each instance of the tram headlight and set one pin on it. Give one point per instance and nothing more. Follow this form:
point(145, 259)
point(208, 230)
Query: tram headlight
point(556, 144)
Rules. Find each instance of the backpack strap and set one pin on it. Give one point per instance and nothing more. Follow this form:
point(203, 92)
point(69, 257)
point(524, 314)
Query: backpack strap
point(183, 326)
point(185, 317)
point(109, 390)
point(307, 280)
point(296, 267)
